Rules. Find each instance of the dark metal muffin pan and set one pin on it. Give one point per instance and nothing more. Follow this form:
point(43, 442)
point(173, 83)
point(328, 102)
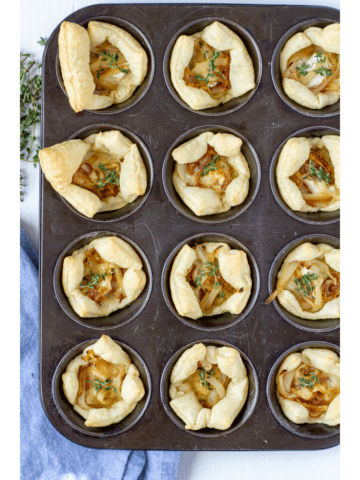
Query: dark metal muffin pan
point(157, 228)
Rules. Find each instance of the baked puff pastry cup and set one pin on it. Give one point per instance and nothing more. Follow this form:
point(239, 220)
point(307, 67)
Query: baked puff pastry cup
point(308, 283)
point(102, 384)
point(310, 66)
point(103, 276)
point(209, 279)
point(211, 174)
point(209, 387)
point(211, 67)
point(101, 173)
point(308, 173)
point(308, 386)
point(101, 65)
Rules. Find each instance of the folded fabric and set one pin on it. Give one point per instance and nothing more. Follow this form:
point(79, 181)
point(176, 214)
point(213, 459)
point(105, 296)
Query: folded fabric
point(45, 453)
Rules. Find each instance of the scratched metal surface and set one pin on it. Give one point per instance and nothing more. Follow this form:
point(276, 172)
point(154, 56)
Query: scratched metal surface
point(157, 227)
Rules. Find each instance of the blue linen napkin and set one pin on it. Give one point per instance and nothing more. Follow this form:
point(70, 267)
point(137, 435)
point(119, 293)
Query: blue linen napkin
point(45, 453)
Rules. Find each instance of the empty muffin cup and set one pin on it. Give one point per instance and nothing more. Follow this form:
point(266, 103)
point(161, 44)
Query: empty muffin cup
point(214, 322)
point(328, 111)
point(245, 412)
point(74, 419)
point(308, 430)
point(316, 326)
point(312, 218)
point(254, 182)
point(143, 88)
point(129, 208)
point(251, 46)
point(119, 317)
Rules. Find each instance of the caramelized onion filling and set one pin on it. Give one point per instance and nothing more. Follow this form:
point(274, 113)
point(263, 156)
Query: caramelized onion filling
point(313, 284)
point(102, 279)
point(210, 171)
point(316, 179)
point(103, 180)
point(209, 386)
point(310, 387)
point(206, 281)
point(99, 382)
point(315, 68)
point(107, 65)
point(209, 70)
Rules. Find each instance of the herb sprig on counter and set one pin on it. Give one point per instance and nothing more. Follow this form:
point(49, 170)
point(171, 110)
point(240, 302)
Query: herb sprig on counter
point(30, 109)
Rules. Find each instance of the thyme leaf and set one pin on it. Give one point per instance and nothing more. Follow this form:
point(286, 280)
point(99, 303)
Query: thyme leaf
point(318, 57)
point(203, 381)
point(99, 384)
point(110, 177)
point(304, 283)
point(325, 72)
point(320, 173)
point(303, 69)
point(211, 166)
point(211, 67)
point(308, 382)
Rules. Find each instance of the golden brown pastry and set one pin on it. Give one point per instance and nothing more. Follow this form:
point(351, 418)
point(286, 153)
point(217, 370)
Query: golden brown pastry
point(101, 65)
point(211, 174)
point(308, 386)
point(209, 386)
point(209, 279)
point(308, 284)
point(102, 384)
point(103, 172)
point(211, 67)
point(102, 277)
point(308, 173)
point(310, 66)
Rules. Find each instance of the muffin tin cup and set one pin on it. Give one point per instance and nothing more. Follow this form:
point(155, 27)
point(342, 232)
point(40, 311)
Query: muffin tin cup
point(315, 326)
point(214, 322)
point(307, 430)
point(254, 182)
point(244, 413)
point(119, 317)
point(74, 419)
point(328, 111)
point(143, 88)
point(311, 218)
point(129, 208)
point(251, 46)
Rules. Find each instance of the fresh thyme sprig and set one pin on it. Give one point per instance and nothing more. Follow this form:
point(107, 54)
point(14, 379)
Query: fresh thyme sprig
point(211, 67)
point(304, 283)
point(110, 177)
point(203, 381)
point(113, 59)
point(30, 109)
point(318, 57)
point(22, 185)
point(99, 384)
point(212, 270)
point(211, 166)
point(303, 69)
point(308, 382)
point(320, 173)
point(95, 278)
point(324, 72)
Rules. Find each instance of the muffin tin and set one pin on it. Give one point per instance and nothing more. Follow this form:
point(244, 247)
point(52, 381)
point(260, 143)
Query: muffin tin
point(154, 334)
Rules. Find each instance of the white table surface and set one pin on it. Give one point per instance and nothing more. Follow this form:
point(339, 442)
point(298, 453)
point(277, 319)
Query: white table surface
point(38, 19)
